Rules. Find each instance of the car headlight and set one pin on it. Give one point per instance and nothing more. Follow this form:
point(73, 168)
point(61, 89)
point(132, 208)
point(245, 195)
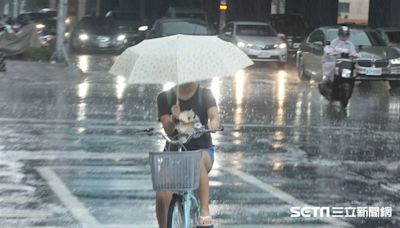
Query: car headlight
point(243, 44)
point(281, 45)
point(121, 37)
point(346, 73)
point(68, 21)
point(143, 28)
point(83, 36)
point(40, 26)
point(395, 61)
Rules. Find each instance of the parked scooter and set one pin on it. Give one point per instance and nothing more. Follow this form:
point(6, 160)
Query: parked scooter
point(341, 88)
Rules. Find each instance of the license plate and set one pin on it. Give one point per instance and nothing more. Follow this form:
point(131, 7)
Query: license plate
point(374, 71)
point(103, 45)
point(264, 55)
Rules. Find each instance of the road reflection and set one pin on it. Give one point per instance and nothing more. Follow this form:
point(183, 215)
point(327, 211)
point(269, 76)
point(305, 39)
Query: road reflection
point(83, 63)
point(83, 90)
point(120, 87)
point(280, 94)
point(240, 80)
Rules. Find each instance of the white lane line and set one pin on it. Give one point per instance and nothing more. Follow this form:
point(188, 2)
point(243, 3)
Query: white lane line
point(281, 194)
point(77, 209)
point(5, 213)
point(391, 187)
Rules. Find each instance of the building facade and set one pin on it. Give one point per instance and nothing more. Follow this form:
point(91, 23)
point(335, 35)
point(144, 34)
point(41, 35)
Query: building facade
point(353, 11)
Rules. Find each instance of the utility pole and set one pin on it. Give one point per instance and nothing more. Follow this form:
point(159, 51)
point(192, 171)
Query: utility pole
point(2, 6)
point(98, 7)
point(142, 10)
point(61, 16)
point(81, 8)
point(52, 4)
point(223, 7)
point(15, 8)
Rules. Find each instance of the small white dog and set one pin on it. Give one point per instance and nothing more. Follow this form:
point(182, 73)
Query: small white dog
point(187, 119)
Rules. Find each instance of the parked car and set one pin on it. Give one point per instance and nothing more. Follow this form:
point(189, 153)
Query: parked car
point(187, 26)
point(45, 22)
point(98, 34)
point(131, 24)
point(258, 40)
point(293, 26)
point(377, 60)
point(391, 35)
point(177, 12)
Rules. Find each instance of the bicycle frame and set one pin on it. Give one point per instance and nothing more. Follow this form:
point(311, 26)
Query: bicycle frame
point(188, 197)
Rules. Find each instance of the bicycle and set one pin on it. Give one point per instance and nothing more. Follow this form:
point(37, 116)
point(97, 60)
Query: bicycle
point(178, 172)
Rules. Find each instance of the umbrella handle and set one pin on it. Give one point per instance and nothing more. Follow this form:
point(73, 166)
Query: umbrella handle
point(177, 95)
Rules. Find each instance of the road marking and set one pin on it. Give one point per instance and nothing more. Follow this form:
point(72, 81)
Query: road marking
point(5, 213)
point(281, 195)
point(391, 187)
point(72, 203)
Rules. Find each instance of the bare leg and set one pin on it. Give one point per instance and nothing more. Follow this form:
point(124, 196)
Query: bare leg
point(163, 200)
point(203, 192)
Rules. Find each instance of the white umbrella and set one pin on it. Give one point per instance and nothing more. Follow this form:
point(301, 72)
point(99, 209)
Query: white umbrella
point(179, 59)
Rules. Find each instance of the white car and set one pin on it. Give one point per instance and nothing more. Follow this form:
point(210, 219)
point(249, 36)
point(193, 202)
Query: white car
point(258, 40)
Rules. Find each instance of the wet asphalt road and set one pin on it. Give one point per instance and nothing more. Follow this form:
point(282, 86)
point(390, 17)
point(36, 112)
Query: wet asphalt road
point(70, 157)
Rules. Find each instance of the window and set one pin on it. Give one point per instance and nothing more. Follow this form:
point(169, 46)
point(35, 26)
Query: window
point(344, 7)
point(255, 30)
point(228, 29)
point(316, 36)
point(183, 27)
point(360, 37)
point(394, 37)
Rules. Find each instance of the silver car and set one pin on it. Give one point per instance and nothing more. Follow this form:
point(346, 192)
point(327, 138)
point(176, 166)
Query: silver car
point(258, 40)
point(377, 60)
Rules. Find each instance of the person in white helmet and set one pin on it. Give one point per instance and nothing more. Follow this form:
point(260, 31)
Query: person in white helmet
point(338, 46)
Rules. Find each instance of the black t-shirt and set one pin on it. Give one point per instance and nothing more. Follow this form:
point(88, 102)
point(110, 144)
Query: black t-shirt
point(198, 105)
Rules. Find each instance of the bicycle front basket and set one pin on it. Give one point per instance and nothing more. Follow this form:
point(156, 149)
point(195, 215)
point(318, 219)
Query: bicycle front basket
point(175, 171)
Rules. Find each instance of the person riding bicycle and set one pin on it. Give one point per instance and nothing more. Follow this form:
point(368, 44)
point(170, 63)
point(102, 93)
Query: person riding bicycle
point(339, 45)
point(198, 103)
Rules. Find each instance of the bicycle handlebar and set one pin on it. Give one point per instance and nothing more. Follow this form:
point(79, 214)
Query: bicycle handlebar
point(201, 131)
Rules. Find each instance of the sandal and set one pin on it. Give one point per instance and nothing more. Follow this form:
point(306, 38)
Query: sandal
point(203, 220)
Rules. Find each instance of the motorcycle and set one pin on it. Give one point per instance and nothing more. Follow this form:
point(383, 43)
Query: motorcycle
point(341, 88)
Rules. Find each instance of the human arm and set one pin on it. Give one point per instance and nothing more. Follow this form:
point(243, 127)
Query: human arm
point(167, 115)
point(212, 111)
point(214, 120)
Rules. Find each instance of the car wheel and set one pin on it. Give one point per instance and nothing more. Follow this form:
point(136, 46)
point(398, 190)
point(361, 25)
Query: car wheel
point(301, 70)
point(394, 84)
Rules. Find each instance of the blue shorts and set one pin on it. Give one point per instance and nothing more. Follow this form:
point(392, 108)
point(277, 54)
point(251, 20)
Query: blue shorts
point(210, 152)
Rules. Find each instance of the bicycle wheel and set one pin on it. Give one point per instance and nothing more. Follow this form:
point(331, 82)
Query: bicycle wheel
point(176, 215)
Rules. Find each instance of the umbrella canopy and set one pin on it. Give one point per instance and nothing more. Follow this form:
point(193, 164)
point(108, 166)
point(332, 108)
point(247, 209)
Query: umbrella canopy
point(179, 59)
